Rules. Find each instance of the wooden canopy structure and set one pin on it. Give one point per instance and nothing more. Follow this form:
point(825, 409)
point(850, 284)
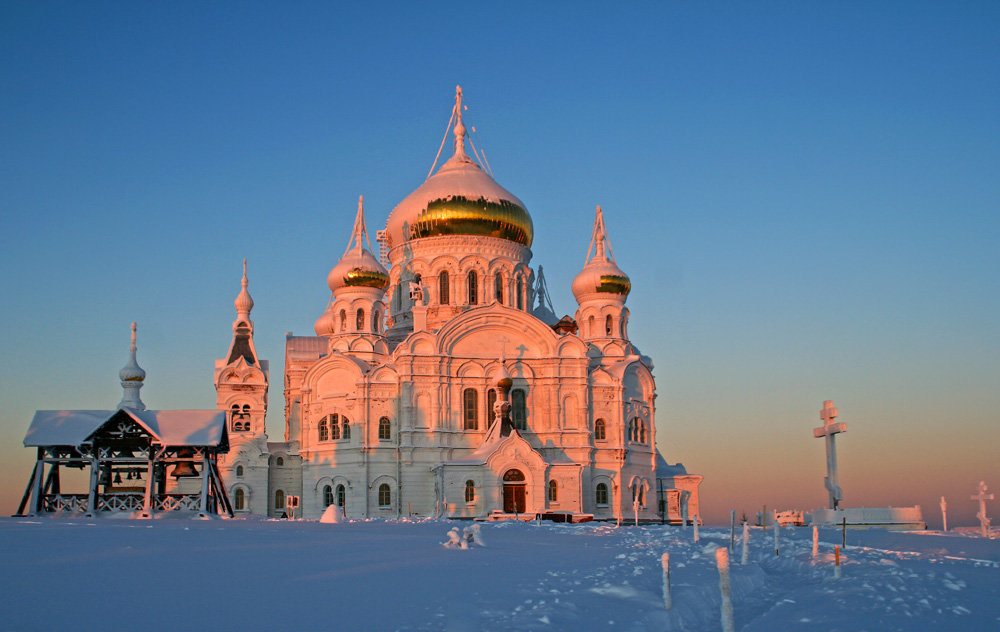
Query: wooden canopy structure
point(128, 453)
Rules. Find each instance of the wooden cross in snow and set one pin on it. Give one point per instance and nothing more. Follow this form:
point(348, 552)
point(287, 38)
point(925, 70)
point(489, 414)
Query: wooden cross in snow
point(982, 497)
point(829, 430)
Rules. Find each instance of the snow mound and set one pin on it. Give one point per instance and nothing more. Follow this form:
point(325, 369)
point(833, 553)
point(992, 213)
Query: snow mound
point(333, 515)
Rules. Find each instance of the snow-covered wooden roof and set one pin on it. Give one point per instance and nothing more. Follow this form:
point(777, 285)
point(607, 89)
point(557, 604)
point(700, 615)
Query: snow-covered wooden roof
point(170, 427)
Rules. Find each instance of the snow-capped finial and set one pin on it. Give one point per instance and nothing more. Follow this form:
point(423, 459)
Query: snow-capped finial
point(131, 377)
point(243, 302)
point(459, 127)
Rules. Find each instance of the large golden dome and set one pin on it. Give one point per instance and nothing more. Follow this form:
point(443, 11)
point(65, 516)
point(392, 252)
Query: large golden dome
point(460, 199)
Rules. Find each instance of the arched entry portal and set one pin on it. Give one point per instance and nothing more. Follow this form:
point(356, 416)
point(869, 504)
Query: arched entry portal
point(513, 491)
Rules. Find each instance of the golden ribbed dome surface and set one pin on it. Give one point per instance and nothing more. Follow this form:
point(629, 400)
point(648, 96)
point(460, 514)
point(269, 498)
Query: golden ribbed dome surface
point(460, 199)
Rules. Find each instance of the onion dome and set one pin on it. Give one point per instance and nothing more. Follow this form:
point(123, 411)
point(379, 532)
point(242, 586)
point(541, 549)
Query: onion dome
point(132, 372)
point(460, 199)
point(243, 302)
point(601, 278)
point(326, 324)
point(358, 268)
point(501, 377)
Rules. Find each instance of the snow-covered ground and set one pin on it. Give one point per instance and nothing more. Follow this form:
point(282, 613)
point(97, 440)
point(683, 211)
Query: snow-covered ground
point(395, 575)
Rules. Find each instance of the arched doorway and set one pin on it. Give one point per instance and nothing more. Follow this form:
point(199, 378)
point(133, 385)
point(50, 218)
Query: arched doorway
point(513, 491)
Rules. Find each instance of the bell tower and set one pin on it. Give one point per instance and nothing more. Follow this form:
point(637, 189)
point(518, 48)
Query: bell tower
point(241, 379)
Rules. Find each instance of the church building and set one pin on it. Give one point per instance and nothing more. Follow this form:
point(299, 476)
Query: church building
point(440, 383)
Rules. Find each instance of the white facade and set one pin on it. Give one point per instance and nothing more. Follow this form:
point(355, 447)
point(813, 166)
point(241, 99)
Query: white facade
point(433, 388)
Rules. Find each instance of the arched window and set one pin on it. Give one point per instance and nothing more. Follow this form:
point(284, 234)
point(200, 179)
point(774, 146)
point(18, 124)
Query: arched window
point(498, 287)
point(443, 287)
point(518, 409)
point(491, 399)
point(327, 496)
point(280, 462)
point(384, 495)
point(343, 320)
point(324, 429)
point(607, 325)
point(376, 321)
point(642, 431)
point(239, 500)
point(470, 492)
point(279, 499)
point(470, 401)
point(553, 491)
point(520, 293)
point(600, 430)
point(473, 289)
point(601, 495)
point(341, 495)
point(239, 470)
point(384, 429)
point(345, 432)
point(359, 323)
point(335, 427)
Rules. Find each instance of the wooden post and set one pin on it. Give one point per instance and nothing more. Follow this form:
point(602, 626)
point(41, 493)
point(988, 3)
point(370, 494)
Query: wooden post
point(844, 533)
point(204, 481)
point(732, 530)
point(95, 466)
point(147, 499)
point(668, 602)
point(697, 538)
point(837, 573)
point(722, 561)
point(36, 498)
point(763, 519)
point(815, 551)
point(746, 542)
point(777, 530)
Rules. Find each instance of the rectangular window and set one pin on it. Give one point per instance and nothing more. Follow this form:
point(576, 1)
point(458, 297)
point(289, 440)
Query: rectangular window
point(470, 400)
point(518, 409)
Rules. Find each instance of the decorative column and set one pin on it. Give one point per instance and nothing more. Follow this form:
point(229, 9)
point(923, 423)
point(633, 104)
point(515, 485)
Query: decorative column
point(829, 430)
point(982, 497)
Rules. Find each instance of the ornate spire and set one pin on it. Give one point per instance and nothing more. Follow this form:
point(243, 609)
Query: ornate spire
point(243, 303)
point(459, 127)
point(131, 377)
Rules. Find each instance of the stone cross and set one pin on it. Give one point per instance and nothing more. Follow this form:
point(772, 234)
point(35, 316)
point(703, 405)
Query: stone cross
point(982, 497)
point(829, 429)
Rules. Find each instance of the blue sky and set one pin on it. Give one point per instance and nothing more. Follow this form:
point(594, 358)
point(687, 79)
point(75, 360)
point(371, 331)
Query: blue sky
point(804, 195)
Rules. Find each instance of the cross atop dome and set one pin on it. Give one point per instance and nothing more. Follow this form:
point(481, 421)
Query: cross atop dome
point(359, 235)
point(600, 247)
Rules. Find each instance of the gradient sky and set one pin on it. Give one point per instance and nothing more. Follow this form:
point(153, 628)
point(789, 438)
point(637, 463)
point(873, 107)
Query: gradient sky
point(805, 196)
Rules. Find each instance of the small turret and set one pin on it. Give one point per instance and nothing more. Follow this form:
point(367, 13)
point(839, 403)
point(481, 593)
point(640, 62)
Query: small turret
point(601, 289)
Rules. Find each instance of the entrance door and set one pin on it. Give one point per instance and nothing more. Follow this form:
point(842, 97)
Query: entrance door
point(513, 492)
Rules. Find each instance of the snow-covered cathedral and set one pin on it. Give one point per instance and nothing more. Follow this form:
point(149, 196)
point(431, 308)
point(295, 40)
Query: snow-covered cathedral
point(439, 382)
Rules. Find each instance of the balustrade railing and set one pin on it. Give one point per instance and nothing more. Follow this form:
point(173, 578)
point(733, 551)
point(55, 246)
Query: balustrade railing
point(76, 503)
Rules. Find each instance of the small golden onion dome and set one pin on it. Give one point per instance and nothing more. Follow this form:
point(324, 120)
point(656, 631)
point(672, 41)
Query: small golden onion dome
point(358, 269)
point(460, 199)
point(601, 280)
point(325, 324)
